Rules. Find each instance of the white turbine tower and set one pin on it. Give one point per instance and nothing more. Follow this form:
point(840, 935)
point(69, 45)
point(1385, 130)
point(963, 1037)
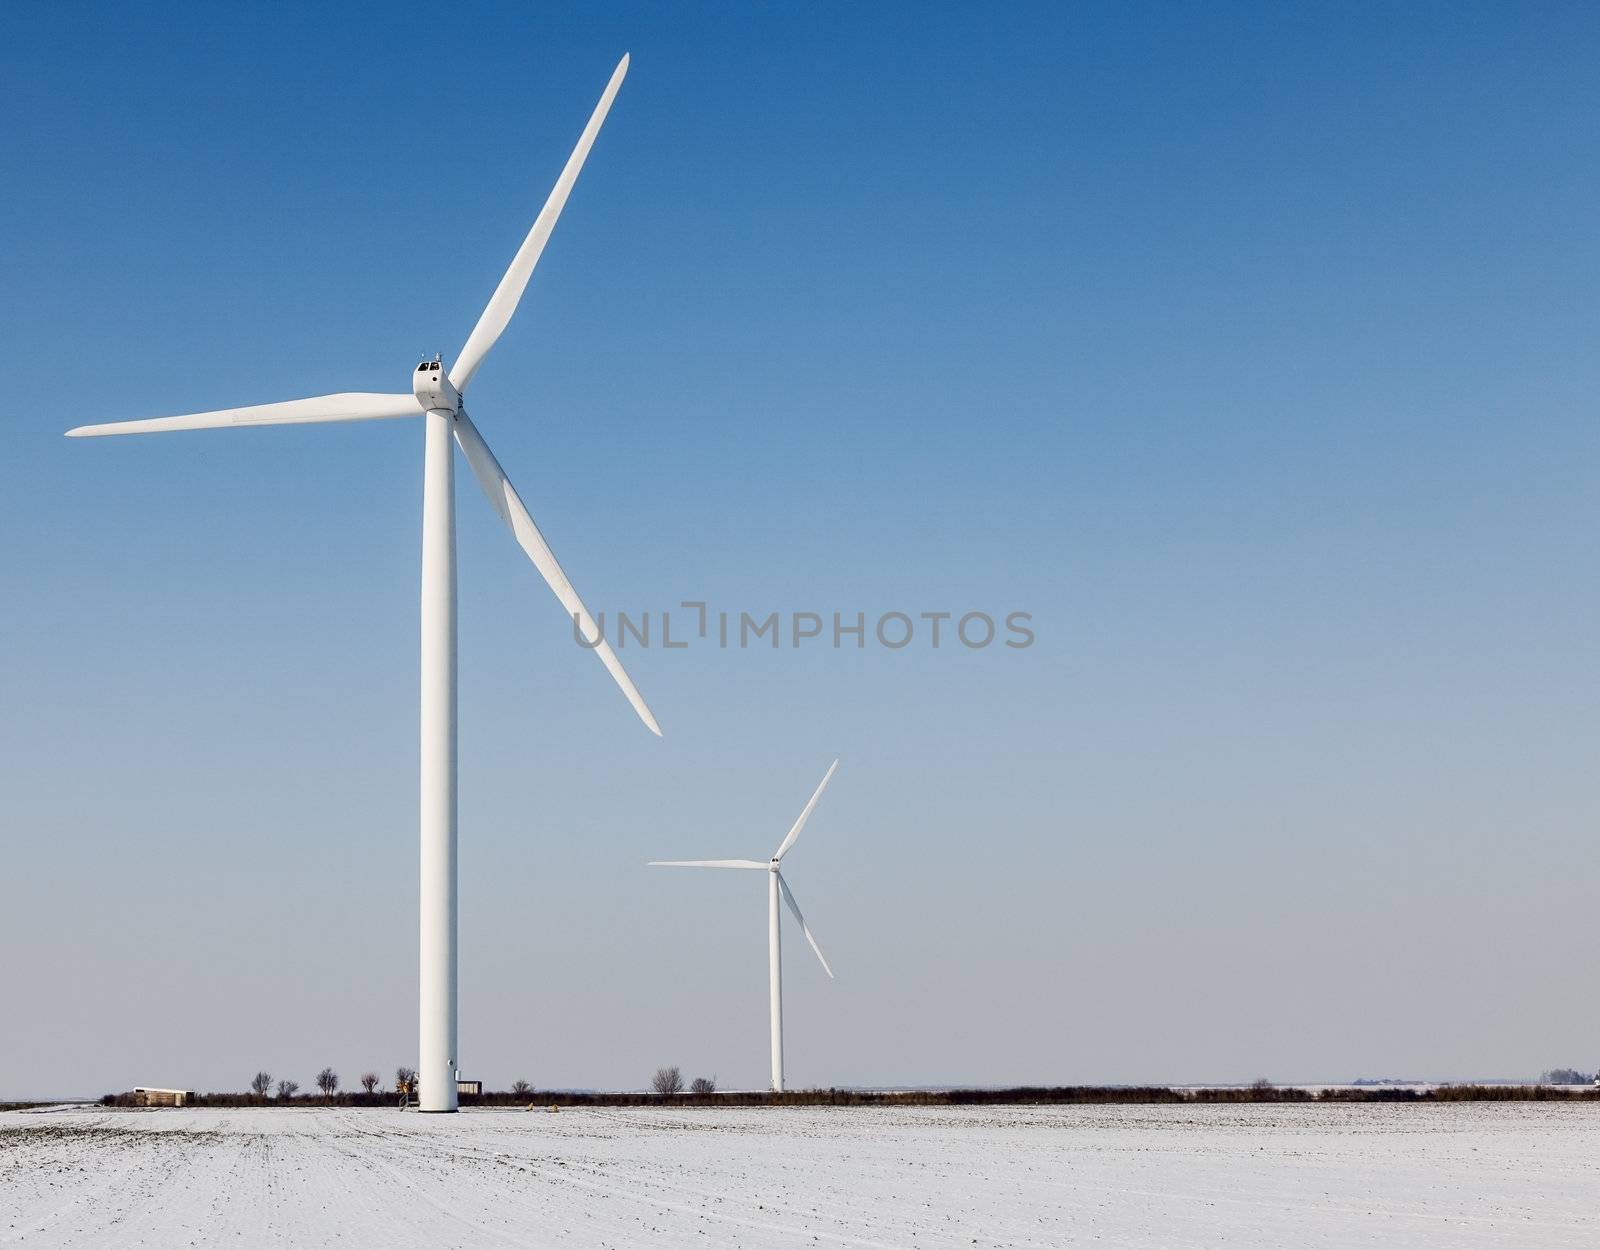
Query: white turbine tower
point(775, 885)
point(436, 396)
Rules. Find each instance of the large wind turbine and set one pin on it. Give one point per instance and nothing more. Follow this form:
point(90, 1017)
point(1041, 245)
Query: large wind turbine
point(775, 885)
point(436, 396)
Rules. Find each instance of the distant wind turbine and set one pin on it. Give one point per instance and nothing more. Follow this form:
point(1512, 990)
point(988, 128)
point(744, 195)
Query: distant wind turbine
point(775, 885)
point(436, 395)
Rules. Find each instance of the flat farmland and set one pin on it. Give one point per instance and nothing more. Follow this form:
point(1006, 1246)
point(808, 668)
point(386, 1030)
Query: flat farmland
point(1447, 1175)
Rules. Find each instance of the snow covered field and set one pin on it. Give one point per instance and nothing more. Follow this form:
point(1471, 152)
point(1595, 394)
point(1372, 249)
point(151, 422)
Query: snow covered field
point(1456, 1175)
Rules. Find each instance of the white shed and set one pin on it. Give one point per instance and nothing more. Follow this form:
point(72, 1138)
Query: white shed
point(150, 1096)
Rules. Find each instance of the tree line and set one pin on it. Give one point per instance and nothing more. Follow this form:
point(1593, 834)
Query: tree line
point(261, 1084)
point(521, 1094)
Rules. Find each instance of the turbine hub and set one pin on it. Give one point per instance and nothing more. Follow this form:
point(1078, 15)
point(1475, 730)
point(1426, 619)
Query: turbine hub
point(431, 385)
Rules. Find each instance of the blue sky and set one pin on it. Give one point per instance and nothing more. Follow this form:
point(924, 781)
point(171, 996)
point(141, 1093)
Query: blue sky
point(1249, 350)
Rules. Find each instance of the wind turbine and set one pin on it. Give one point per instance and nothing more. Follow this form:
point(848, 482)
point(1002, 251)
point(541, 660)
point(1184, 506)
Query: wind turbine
point(776, 885)
point(436, 396)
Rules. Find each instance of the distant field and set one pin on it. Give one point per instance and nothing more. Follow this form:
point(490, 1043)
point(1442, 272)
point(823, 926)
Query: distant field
point(1466, 1174)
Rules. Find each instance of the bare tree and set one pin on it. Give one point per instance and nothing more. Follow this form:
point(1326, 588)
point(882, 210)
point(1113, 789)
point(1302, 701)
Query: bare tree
point(369, 1081)
point(288, 1089)
point(703, 1085)
point(668, 1081)
point(327, 1081)
point(521, 1088)
point(404, 1077)
point(260, 1083)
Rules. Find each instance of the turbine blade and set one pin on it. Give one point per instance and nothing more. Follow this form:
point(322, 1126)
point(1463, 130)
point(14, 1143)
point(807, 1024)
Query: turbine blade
point(707, 863)
point(788, 898)
point(783, 847)
point(506, 296)
point(514, 513)
point(350, 406)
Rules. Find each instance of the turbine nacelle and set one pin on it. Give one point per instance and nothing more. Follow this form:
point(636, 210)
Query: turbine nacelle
point(432, 386)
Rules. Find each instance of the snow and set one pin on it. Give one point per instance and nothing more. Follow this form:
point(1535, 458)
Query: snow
point(1456, 1175)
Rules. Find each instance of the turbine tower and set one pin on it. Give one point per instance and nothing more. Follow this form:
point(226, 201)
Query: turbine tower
point(776, 885)
point(436, 397)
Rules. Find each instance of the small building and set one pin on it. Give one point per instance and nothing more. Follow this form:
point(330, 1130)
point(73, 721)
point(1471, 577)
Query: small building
point(468, 1087)
point(149, 1096)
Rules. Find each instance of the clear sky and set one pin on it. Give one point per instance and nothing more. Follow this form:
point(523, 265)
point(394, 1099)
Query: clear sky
point(1249, 349)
